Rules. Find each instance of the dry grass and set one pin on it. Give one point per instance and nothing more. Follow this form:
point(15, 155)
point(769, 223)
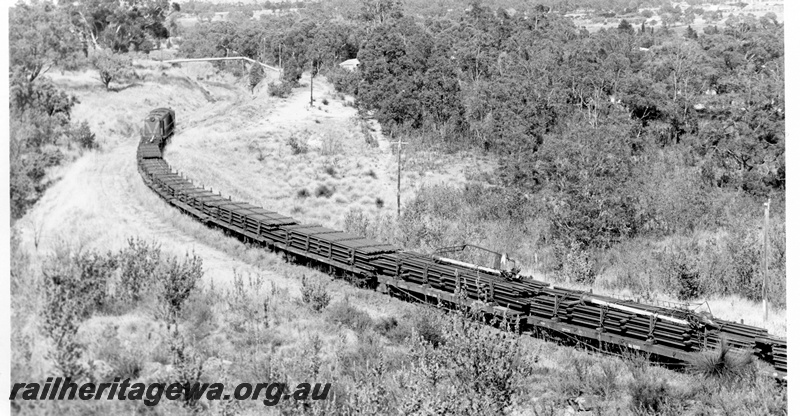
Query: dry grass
point(270, 171)
point(256, 330)
point(274, 174)
point(101, 200)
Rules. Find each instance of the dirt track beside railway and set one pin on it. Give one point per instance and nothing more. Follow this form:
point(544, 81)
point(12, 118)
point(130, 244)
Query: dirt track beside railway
point(99, 201)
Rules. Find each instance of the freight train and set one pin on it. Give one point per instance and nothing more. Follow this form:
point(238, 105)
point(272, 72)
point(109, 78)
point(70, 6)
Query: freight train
point(535, 307)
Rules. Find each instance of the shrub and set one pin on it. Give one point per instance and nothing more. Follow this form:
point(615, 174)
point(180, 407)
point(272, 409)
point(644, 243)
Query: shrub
point(756, 395)
point(330, 170)
point(745, 250)
point(368, 352)
point(574, 376)
point(323, 191)
point(125, 360)
point(138, 263)
point(576, 264)
point(198, 312)
point(442, 215)
point(177, 281)
point(281, 90)
point(356, 222)
point(482, 367)
point(345, 314)
point(292, 70)
point(688, 283)
point(679, 268)
point(110, 66)
point(428, 327)
point(239, 300)
point(607, 382)
point(344, 80)
point(581, 374)
point(569, 160)
point(368, 395)
point(94, 270)
point(649, 391)
point(74, 285)
point(723, 364)
point(331, 145)
point(314, 295)
point(187, 364)
point(325, 101)
point(776, 281)
point(303, 193)
point(390, 328)
point(379, 202)
point(679, 204)
point(61, 318)
point(39, 116)
point(297, 143)
point(255, 76)
point(83, 136)
point(368, 137)
point(649, 395)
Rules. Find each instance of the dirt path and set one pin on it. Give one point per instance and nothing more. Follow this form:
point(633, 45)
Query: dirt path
point(100, 199)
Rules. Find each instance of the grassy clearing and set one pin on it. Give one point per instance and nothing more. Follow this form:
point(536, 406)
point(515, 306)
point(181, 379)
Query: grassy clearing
point(153, 86)
point(314, 163)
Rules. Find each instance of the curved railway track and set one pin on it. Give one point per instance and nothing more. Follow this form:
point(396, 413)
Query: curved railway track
point(668, 335)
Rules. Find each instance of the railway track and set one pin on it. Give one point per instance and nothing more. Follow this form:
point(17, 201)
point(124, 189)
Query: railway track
point(669, 335)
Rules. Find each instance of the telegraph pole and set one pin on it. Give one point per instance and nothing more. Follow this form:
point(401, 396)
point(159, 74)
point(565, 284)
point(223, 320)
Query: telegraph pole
point(766, 258)
point(400, 144)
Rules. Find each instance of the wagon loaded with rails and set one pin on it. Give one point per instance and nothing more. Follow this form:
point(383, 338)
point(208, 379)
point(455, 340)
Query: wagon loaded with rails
point(534, 307)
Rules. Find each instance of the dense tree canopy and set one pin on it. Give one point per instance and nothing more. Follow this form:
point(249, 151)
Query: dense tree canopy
point(548, 99)
point(121, 25)
point(40, 36)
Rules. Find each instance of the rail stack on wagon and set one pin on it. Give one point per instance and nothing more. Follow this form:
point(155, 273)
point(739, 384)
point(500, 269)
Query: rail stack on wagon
point(536, 306)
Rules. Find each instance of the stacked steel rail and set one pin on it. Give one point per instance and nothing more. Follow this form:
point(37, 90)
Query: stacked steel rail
point(534, 306)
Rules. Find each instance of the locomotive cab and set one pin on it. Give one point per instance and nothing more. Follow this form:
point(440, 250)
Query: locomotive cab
point(159, 126)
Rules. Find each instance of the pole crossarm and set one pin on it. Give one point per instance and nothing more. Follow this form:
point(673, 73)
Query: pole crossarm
point(227, 58)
